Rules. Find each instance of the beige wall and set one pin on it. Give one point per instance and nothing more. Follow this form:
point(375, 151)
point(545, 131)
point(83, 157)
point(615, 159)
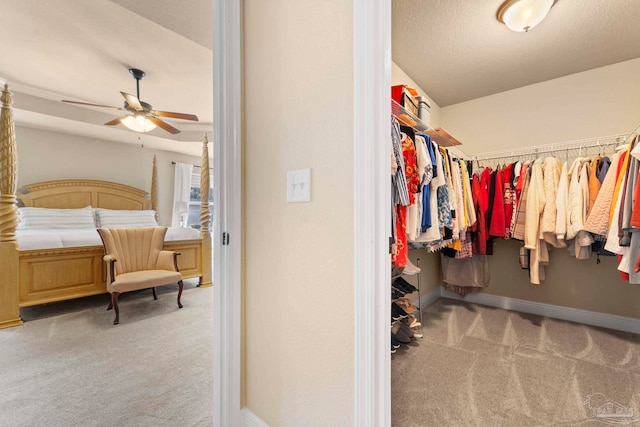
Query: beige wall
point(429, 275)
point(591, 104)
point(298, 86)
point(399, 77)
point(45, 155)
point(570, 282)
point(594, 103)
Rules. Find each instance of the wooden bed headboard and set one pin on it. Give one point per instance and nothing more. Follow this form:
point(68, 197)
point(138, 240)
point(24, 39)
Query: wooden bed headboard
point(79, 193)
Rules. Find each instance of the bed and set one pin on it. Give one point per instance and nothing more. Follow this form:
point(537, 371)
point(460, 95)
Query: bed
point(68, 264)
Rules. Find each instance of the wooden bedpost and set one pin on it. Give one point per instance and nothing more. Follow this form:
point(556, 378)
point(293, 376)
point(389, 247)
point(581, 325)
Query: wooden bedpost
point(205, 216)
point(154, 189)
point(9, 290)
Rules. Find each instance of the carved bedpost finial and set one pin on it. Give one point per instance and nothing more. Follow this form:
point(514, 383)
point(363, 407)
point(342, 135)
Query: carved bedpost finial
point(154, 189)
point(8, 170)
point(205, 214)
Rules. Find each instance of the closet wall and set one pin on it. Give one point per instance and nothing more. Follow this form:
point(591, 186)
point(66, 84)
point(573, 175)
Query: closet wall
point(594, 103)
point(599, 102)
point(47, 155)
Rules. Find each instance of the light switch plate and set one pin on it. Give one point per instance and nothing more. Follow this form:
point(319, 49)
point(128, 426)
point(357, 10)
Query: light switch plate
point(299, 186)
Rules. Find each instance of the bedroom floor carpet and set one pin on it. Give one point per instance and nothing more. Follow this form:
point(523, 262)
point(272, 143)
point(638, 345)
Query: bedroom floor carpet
point(483, 366)
point(68, 365)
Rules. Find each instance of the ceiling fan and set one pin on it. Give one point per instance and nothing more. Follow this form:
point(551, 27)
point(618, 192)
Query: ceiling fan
point(142, 117)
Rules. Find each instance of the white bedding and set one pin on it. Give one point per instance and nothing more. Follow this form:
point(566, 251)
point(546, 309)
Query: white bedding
point(64, 238)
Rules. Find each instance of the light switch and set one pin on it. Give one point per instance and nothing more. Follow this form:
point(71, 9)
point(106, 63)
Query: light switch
point(299, 186)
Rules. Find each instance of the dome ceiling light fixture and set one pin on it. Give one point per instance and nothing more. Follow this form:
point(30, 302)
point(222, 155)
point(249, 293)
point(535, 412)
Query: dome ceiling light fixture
point(523, 15)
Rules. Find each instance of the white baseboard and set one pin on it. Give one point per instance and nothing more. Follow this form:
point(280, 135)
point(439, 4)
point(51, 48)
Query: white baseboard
point(249, 419)
point(431, 297)
point(594, 318)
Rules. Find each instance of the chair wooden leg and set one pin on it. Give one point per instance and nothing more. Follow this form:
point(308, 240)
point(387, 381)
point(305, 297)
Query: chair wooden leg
point(180, 285)
point(155, 296)
point(114, 301)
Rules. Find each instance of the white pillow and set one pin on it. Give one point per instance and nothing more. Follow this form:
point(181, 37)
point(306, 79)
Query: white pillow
point(111, 218)
point(55, 219)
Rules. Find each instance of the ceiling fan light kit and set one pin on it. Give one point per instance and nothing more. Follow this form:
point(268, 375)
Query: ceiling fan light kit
point(142, 117)
point(523, 15)
point(138, 123)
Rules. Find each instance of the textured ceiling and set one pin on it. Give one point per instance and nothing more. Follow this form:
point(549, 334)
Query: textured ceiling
point(81, 50)
point(456, 50)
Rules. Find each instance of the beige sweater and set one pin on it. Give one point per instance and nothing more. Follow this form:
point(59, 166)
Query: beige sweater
point(562, 205)
point(552, 171)
point(598, 219)
point(535, 206)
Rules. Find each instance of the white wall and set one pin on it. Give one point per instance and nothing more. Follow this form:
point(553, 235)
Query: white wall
point(45, 155)
point(399, 77)
point(595, 103)
point(298, 275)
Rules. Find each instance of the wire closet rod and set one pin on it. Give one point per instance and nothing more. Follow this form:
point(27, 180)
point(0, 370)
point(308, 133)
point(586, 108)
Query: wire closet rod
point(602, 142)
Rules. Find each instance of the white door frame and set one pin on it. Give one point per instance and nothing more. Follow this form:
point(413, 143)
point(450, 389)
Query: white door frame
point(227, 148)
point(372, 217)
point(372, 211)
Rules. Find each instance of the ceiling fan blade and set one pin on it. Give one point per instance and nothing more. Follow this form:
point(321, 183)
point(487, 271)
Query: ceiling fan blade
point(91, 105)
point(170, 114)
point(132, 101)
point(162, 124)
point(116, 121)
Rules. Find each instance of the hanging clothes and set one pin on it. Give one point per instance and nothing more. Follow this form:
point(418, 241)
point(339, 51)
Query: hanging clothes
point(598, 218)
point(562, 206)
point(509, 199)
point(480, 197)
point(522, 188)
point(497, 217)
point(552, 170)
point(539, 256)
point(594, 183)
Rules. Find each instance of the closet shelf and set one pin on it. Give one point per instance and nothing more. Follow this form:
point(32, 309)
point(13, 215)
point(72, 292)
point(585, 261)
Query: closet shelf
point(442, 137)
point(406, 117)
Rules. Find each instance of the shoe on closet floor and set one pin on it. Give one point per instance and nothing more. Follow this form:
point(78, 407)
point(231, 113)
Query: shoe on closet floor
point(410, 269)
point(404, 286)
point(397, 313)
point(404, 329)
point(396, 271)
point(412, 322)
point(395, 343)
point(406, 305)
point(398, 291)
point(395, 294)
point(401, 337)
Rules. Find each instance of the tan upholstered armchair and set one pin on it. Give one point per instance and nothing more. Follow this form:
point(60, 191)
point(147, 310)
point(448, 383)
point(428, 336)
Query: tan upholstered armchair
point(135, 260)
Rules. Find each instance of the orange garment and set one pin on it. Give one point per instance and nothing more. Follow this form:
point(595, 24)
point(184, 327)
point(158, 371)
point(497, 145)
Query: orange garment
point(594, 183)
point(622, 166)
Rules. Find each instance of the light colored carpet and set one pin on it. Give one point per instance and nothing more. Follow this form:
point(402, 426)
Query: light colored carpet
point(483, 366)
point(68, 365)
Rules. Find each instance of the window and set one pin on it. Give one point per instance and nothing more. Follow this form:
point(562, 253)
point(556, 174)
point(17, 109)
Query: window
point(193, 220)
